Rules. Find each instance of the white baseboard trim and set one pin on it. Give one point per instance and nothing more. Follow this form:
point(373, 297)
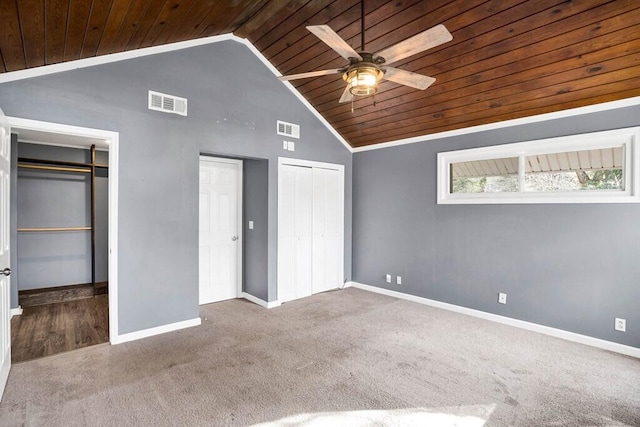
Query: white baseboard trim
point(16, 311)
point(558, 333)
point(259, 301)
point(132, 336)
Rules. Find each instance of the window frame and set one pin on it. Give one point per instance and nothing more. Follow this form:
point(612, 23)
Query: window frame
point(627, 138)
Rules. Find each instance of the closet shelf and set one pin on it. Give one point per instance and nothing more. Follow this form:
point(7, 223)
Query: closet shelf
point(54, 168)
point(45, 229)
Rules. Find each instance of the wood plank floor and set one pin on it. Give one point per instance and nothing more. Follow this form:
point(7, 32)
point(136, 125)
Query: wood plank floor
point(49, 329)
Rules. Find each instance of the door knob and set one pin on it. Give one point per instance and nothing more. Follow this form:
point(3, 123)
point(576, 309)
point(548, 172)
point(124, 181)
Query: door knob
point(234, 238)
point(6, 271)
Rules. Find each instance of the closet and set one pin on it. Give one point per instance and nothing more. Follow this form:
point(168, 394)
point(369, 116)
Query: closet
point(310, 228)
point(61, 202)
point(56, 200)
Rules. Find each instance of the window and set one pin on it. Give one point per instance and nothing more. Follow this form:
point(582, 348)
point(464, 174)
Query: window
point(599, 167)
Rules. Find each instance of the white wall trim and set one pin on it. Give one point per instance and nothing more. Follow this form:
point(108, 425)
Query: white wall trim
point(16, 311)
point(558, 333)
point(273, 304)
point(627, 138)
point(132, 336)
point(137, 53)
point(110, 139)
point(310, 163)
point(58, 128)
point(612, 105)
point(259, 301)
point(114, 57)
point(113, 184)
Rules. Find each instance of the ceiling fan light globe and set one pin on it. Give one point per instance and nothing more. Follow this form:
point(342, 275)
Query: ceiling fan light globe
point(363, 81)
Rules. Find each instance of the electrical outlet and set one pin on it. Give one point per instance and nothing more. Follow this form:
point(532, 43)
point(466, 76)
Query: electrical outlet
point(388, 278)
point(250, 225)
point(502, 298)
point(399, 280)
point(621, 325)
point(291, 146)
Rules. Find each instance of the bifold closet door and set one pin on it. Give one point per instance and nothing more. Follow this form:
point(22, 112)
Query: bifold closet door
point(326, 230)
point(295, 234)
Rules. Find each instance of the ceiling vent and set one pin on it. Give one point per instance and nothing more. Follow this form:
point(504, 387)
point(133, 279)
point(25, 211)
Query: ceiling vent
point(288, 129)
point(167, 103)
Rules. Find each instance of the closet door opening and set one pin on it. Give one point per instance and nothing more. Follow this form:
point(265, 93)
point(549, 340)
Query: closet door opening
point(61, 202)
point(310, 228)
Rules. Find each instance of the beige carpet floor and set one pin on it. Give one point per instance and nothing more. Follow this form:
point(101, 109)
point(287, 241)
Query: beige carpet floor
point(347, 357)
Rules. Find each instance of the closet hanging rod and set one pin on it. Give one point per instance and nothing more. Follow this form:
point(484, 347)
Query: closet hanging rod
point(59, 163)
point(45, 229)
point(54, 168)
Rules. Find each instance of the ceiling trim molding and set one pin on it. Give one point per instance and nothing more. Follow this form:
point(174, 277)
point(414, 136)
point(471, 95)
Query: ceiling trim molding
point(612, 105)
point(137, 53)
point(106, 59)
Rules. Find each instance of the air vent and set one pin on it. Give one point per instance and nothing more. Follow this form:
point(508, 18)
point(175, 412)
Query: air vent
point(288, 129)
point(167, 103)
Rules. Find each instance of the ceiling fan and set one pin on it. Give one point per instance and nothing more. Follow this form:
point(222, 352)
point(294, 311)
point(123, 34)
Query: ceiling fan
point(366, 70)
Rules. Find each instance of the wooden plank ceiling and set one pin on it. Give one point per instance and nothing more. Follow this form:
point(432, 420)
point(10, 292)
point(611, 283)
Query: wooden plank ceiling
point(508, 58)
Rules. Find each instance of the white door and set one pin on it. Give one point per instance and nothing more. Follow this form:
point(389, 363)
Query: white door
point(327, 253)
point(295, 232)
point(310, 227)
point(5, 284)
point(220, 220)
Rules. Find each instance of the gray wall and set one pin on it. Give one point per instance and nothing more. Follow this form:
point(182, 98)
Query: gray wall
point(256, 243)
point(59, 199)
point(234, 103)
point(568, 266)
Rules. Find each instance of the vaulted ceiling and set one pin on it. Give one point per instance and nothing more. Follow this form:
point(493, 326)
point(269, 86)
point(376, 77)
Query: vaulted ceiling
point(508, 59)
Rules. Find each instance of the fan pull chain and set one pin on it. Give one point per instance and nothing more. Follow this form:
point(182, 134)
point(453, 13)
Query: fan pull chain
point(374, 99)
point(352, 105)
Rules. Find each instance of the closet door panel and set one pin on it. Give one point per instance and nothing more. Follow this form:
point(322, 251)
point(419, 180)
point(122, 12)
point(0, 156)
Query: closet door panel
point(326, 227)
point(319, 222)
point(303, 212)
point(310, 233)
point(332, 236)
point(286, 233)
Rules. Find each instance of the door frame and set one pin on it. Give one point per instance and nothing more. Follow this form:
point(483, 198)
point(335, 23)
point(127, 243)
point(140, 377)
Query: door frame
point(5, 310)
point(81, 137)
point(311, 164)
point(239, 163)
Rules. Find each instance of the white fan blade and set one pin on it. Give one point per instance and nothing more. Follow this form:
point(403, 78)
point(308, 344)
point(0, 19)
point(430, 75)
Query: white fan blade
point(334, 41)
point(420, 42)
point(346, 95)
point(408, 78)
point(309, 74)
